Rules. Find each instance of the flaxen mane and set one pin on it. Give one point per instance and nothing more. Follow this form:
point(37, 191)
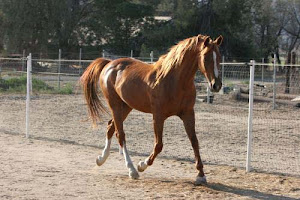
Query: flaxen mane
point(174, 57)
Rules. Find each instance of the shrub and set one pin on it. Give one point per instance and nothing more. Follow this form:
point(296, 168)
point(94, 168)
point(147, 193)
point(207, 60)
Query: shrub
point(19, 85)
point(67, 89)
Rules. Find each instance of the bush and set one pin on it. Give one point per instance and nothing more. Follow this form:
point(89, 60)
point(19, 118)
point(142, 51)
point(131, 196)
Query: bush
point(67, 89)
point(19, 85)
point(15, 84)
point(39, 85)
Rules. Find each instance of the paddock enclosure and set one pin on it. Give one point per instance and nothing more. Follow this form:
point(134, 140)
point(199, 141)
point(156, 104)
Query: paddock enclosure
point(59, 122)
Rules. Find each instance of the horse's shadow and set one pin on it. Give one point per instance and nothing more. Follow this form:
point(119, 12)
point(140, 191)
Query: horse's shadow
point(246, 192)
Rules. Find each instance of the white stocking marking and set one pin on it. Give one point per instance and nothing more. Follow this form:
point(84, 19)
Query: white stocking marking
point(132, 171)
point(143, 165)
point(105, 153)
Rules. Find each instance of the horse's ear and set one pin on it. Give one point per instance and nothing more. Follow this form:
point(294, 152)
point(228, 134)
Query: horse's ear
point(219, 40)
point(206, 41)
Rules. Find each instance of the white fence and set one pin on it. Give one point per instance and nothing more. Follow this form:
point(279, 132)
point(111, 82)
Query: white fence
point(226, 127)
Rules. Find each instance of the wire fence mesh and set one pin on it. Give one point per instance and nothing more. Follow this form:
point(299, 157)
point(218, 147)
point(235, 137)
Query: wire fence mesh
point(221, 123)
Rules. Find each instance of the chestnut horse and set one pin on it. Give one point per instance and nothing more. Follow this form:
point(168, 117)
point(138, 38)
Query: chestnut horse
point(165, 88)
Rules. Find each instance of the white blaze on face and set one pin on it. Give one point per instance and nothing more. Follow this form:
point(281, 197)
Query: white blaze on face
point(216, 71)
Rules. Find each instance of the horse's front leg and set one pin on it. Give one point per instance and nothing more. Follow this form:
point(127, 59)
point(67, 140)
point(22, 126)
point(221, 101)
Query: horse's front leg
point(188, 118)
point(158, 145)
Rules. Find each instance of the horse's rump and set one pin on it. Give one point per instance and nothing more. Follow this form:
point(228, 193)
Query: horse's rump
point(131, 80)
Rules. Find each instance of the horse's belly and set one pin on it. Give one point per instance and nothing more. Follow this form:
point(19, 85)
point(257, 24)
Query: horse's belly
point(139, 103)
point(146, 108)
point(135, 96)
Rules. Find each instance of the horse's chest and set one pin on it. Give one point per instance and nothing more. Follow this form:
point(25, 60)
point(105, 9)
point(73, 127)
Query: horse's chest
point(172, 102)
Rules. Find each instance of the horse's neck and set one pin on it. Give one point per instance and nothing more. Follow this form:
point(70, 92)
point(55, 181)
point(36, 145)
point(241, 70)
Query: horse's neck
point(188, 70)
point(182, 74)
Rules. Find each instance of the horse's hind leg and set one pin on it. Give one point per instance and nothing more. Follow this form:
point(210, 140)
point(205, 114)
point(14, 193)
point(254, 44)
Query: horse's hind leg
point(105, 153)
point(110, 132)
point(118, 120)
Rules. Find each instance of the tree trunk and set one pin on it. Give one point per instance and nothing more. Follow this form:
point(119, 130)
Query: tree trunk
point(291, 59)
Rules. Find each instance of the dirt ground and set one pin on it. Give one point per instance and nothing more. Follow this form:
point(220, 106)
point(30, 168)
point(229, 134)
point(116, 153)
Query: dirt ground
point(42, 169)
point(58, 160)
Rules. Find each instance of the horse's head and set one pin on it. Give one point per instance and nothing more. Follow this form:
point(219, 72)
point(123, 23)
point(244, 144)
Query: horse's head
point(209, 62)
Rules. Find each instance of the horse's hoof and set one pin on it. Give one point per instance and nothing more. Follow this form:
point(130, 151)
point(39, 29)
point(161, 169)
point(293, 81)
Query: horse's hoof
point(134, 174)
point(100, 161)
point(200, 180)
point(142, 166)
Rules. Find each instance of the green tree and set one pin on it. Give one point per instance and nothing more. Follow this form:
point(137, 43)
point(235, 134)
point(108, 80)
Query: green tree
point(66, 18)
point(1, 30)
point(161, 35)
point(42, 25)
point(233, 20)
point(25, 24)
point(117, 24)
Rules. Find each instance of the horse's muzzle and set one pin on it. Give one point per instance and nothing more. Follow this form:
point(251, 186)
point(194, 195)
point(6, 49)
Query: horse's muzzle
point(216, 85)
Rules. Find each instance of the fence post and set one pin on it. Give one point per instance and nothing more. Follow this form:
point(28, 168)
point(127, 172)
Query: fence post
point(274, 82)
point(29, 67)
point(223, 71)
point(209, 95)
point(250, 114)
point(59, 67)
point(23, 61)
point(103, 53)
point(131, 53)
point(80, 55)
point(151, 56)
point(262, 70)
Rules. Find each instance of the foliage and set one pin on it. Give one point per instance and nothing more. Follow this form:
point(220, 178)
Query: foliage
point(116, 24)
point(18, 85)
point(67, 89)
point(41, 25)
point(251, 28)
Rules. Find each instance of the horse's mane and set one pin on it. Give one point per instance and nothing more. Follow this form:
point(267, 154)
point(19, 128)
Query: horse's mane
point(175, 56)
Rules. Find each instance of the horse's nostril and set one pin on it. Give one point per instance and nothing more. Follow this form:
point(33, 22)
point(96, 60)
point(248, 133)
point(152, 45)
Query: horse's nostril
point(214, 86)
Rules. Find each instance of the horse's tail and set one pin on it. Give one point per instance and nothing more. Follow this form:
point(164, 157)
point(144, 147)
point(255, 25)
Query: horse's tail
point(90, 81)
